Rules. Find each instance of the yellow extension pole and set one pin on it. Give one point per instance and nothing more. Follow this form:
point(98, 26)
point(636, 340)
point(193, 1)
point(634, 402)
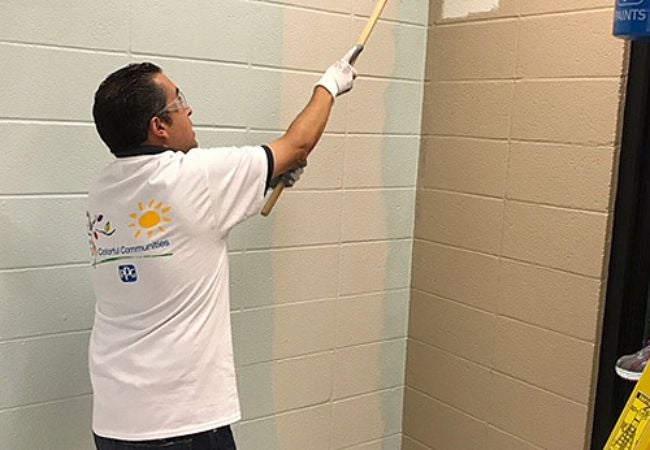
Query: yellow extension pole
point(379, 8)
point(361, 43)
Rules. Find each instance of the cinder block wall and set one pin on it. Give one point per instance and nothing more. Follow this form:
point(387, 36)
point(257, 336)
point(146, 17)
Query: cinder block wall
point(513, 205)
point(321, 288)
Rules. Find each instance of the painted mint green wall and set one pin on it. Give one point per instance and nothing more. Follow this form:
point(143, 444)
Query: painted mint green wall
point(320, 289)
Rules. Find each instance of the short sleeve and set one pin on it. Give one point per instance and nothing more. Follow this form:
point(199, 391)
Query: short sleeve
point(237, 178)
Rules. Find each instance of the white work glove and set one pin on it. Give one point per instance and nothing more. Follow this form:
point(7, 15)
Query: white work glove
point(290, 177)
point(338, 79)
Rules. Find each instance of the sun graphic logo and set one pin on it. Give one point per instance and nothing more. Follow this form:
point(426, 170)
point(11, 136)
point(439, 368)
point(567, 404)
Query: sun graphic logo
point(150, 219)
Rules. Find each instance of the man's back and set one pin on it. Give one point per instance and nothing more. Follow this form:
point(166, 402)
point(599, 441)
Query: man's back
point(161, 353)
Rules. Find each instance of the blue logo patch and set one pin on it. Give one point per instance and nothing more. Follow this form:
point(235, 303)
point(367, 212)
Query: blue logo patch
point(128, 273)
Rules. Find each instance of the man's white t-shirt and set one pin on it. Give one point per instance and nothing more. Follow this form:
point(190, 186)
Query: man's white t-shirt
point(161, 360)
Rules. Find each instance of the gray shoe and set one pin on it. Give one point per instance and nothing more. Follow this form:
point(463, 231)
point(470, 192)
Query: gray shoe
point(630, 367)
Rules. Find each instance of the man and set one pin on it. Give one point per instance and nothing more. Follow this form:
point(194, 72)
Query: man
point(159, 215)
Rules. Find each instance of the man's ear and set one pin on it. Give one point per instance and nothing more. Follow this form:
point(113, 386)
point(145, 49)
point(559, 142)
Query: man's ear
point(158, 130)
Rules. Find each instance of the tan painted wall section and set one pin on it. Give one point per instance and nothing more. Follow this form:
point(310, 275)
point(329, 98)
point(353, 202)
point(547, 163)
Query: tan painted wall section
point(513, 207)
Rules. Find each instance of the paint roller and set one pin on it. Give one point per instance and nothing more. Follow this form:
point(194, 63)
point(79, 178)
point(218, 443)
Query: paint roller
point(361, 43)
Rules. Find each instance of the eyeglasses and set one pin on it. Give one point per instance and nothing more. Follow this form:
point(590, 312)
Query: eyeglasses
point(179, 103)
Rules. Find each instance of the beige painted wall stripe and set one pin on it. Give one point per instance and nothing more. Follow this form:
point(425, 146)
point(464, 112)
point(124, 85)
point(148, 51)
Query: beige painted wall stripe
point(453, 9)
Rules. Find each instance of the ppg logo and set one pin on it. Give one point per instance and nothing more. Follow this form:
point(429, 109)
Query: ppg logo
point(128, 273)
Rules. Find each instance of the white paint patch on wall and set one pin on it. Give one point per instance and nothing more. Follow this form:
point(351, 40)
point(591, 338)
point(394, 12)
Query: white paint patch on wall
point(453, 9)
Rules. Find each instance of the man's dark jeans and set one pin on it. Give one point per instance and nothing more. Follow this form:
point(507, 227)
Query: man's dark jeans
point(219, 439)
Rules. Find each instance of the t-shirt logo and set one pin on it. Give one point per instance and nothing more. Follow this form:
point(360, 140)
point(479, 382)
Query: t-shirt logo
point(150, 222)
point(150, 219)
point(97, 226)
point(128, 273)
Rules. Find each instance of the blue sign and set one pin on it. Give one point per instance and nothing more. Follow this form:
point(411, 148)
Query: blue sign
point(632, 19)
point(128, 273)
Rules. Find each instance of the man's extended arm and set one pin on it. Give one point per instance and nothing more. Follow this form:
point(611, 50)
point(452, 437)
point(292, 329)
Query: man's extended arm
point(303, 133)
point(292, 149)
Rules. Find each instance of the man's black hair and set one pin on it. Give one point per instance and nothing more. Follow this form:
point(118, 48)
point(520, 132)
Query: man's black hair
point(124, 104)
